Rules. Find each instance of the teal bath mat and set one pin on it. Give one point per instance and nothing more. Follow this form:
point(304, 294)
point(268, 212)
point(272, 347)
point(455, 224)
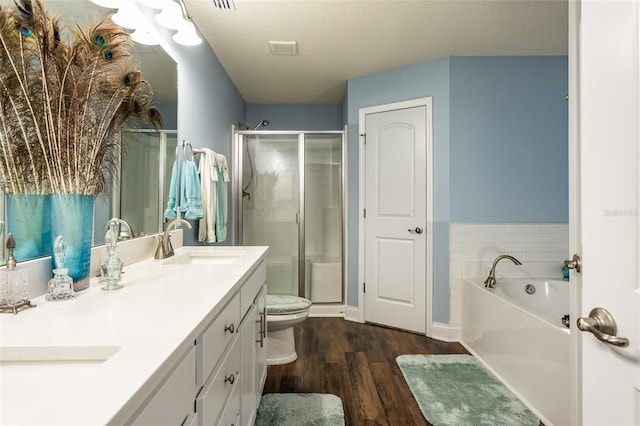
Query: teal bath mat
point(300, 409)
point(457, 390)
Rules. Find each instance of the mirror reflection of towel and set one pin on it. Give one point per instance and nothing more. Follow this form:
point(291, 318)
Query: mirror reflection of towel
point(189, 192)
point(170, 211)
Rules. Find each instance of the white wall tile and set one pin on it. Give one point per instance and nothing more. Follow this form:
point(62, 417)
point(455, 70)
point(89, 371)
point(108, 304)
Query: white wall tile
point(541, 247)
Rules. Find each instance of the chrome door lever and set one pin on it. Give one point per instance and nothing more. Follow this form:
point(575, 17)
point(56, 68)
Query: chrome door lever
point(418, 230)
point(603, 326)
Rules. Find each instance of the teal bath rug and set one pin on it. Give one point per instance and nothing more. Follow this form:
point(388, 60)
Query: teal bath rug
point(300, 409)
point(456, 390)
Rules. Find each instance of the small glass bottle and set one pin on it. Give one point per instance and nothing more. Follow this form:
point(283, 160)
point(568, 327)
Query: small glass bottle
point(61, 285)
point(111, 264)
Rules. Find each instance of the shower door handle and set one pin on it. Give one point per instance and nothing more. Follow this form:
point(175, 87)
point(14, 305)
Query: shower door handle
point(418, 230)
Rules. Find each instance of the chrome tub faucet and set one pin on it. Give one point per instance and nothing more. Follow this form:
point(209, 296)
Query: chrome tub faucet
point(490, 282)
point(165, 248)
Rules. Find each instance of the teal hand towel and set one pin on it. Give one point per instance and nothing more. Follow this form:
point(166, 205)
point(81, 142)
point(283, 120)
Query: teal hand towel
point(192, 192)
point(170, 211)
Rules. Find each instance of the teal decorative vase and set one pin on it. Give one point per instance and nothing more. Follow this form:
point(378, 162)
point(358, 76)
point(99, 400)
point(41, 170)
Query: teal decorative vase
point(28, 220)
point(72, 217)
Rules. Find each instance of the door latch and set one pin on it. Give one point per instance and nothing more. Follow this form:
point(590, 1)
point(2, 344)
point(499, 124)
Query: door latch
point(575, 263)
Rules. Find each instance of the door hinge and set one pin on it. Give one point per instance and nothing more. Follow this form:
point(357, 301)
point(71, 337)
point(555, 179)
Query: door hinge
point(365, 213)
point(364, 137)
point(364, 287)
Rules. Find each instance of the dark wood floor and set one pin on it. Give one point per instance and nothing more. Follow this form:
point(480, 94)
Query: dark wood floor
point(356, 362)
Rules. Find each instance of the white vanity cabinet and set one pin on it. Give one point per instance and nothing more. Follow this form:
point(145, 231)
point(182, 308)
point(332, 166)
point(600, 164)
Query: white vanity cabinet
point(173, 403)
point(220, 379)
point(254, 358)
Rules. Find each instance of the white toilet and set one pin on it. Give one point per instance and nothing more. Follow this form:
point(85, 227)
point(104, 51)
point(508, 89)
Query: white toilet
point(283, 312)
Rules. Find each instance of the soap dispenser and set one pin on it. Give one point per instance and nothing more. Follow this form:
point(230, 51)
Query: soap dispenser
point(61, 285)
point(112, 264)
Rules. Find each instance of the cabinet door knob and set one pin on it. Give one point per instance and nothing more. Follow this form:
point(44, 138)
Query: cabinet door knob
point(230, 328)
point(231, 378)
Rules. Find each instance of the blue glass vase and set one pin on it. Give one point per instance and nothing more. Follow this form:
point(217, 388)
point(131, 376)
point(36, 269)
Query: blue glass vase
point(28, 220)
point(72, 217)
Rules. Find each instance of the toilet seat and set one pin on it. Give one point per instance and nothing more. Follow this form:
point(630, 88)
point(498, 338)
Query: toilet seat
point(286, 305)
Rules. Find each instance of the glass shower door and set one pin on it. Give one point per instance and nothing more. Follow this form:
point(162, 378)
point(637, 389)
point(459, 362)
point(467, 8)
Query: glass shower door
point(323, 218)
point(270, 205)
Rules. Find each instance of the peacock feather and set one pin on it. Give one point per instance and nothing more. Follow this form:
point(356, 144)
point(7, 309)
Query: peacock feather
point(64, 104)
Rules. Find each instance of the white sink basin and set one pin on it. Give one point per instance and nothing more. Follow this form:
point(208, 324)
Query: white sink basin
point(201, 257)
point(52, 364)
point(54, 354)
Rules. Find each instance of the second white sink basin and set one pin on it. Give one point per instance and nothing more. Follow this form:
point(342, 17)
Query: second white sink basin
point(53, 354)
point(202, 257)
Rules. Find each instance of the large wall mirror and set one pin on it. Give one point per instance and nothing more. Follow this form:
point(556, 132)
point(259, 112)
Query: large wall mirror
point(140, 194)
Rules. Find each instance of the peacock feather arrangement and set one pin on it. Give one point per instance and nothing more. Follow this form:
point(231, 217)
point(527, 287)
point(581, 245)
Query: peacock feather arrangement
point(63, 103)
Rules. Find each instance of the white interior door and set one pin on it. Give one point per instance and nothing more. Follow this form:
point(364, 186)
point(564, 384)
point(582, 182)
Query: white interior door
point(396, 231)
point(609, 95)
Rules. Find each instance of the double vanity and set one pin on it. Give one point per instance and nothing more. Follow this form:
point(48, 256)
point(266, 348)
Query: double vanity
point(182, 343)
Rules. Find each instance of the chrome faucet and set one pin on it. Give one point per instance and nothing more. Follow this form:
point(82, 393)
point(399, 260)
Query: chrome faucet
point(490, 282)
point(165, 248)
point(121, 222)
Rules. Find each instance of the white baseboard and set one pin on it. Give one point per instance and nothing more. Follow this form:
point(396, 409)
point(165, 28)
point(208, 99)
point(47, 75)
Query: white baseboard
point(327, 311)
point(351, 313)
point(446, 332)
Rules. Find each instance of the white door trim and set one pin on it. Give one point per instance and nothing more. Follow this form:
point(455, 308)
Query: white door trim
point(428, 103)
point(574, 210)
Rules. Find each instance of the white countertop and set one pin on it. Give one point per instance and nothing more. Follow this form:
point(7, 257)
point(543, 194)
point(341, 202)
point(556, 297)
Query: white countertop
point(149, 324)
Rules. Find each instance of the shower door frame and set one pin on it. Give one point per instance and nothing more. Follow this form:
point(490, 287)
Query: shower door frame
point(237, 199)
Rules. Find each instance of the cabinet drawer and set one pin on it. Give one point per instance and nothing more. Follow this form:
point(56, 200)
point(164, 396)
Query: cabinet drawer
point(251, 287)
point(220, 387)
point(231, 414)
point(174, 400)
point(215, 339)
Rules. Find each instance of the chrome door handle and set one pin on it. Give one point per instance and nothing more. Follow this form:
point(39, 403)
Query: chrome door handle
point(418, 230)
point(603, 326)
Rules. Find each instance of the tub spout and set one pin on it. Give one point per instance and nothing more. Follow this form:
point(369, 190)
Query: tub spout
point(490, 282)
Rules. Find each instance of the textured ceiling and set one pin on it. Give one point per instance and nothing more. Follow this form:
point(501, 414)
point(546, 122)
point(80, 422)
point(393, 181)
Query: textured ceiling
point(339, 40)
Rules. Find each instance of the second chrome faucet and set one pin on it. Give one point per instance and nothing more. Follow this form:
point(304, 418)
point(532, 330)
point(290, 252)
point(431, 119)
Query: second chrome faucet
point(490, 282)
point(165, 248)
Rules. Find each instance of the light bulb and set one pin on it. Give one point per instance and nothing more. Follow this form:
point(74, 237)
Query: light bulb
point(187, 35)
point(171, 16)
point(154, 4)
point(127, 16)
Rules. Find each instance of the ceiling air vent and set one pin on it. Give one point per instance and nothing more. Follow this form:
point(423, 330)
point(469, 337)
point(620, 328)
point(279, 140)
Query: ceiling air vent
point(283, 47)
point(224, 4)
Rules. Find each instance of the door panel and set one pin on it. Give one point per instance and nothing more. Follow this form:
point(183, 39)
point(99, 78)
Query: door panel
point(609, 97)
point(396, 193)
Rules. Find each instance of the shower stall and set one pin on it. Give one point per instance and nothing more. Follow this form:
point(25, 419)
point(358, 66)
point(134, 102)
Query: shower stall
point(289, 195)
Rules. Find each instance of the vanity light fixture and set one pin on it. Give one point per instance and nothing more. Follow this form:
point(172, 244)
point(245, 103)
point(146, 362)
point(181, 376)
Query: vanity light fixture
point(126, 16)
point(171, 16)
point(154, 4)
point(187, 35)
point(175, 16)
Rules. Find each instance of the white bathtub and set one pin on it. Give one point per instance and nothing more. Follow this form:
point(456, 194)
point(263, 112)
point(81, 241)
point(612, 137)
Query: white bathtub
point(521, 338)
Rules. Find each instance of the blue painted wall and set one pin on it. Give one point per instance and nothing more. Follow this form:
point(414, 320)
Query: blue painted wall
point(499, 146)
point(509, 151)
point(296, 117)
point(208, 101)
point(411, 82)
